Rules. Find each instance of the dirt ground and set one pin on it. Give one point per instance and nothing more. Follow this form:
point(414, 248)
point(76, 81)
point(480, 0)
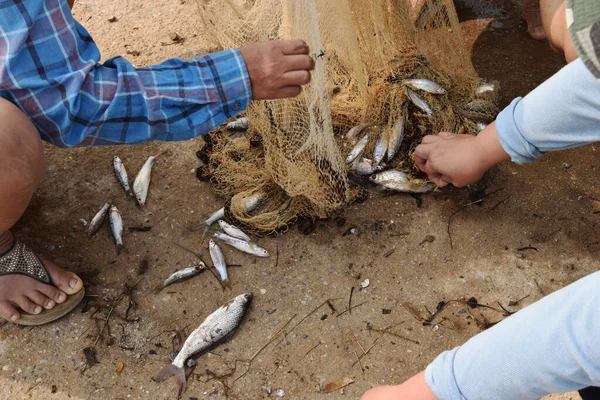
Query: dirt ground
point(546, 205)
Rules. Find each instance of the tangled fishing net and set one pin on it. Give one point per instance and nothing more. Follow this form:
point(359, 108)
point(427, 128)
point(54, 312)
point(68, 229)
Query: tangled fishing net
point(292, 160)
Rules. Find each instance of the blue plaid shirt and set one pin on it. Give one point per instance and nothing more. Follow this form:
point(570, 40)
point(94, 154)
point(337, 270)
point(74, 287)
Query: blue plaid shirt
point(49, 68)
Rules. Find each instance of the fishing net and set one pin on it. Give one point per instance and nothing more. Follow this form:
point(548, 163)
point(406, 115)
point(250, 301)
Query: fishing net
point(293, 157)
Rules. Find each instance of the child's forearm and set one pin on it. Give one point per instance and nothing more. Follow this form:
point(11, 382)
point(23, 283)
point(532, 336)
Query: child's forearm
point(558, 352)
point(561, 113)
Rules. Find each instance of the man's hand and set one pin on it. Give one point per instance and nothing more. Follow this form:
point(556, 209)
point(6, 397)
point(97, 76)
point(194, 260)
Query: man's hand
point(277, 69)
point(459, 159)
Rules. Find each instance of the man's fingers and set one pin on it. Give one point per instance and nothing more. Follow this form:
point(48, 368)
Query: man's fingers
point(299, 62)
point(295, 78)
point(420, 162)
point(423, 150)
point(445, 134)
point(430, 139)
point(288, 91)
point(290, 47)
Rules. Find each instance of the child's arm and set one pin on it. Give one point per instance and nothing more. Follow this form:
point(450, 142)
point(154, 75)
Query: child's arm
point(49, 68)
point(562, 113)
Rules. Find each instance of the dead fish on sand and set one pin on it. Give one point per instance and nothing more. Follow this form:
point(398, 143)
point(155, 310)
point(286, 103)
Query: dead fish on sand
point(217, 215)
point(240, 124)
point(401, 182)
point(98, 220)
point(234, 231)
point(116, 226)
point(426, 85)
point(121, 173)
point(142, 181)
point(218, 259)
point(358, 149)
point(242, 245)
point(418, 101)
point(181, 275)
point(215, 327)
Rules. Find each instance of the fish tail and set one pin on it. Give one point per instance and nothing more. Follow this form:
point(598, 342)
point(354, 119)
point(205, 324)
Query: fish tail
point(158, 289)
point(156, 156)
point(226, 284)
point(119, 248)
point(177, 372)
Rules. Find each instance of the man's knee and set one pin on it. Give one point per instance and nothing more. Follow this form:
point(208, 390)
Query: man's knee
point(21, 149)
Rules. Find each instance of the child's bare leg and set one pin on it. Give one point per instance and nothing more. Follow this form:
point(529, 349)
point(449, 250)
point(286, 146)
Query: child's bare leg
point(413, 389)
point(21, 170)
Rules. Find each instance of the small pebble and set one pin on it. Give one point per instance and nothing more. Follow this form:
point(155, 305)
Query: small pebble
point(263, 291)
point(365, 284)
point(280, 393)
point(268, 390)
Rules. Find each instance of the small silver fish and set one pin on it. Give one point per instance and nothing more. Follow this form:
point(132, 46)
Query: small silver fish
point(240, 124)
point(418, 101)
point(401, 182)
point(234, 231)
point(181, 275)
point(121, 173)
point(217, 215)
point(142, 181)
point(364, 166)
point(215, 327)
point(116, 226)
point(395, 139)
point(484, 88)
point(425, 85)
point(242, 245)
point(358, 149)
point(357, 130)
point(253, 201)
point(218, 259)
point(98, 220)
point(381, 147)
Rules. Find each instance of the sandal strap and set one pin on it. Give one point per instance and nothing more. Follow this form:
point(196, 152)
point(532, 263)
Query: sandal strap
point(21, 260)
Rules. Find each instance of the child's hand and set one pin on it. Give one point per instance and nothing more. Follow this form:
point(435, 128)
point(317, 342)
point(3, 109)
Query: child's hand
point(459, 159)
point(277, 68)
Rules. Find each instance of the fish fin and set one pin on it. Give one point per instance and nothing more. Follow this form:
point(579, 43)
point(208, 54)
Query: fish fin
point(178, 373)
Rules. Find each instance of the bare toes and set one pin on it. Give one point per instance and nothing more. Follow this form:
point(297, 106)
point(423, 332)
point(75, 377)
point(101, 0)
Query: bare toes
point(28, 306)
point(8, 312)
point(40, 299)
point(52, 293)
point(66, 281)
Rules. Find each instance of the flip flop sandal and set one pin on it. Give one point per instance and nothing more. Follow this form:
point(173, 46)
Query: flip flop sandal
point(19, 259)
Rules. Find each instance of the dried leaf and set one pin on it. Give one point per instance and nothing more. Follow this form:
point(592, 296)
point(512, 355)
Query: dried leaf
point(119, 368)
point(335, 386)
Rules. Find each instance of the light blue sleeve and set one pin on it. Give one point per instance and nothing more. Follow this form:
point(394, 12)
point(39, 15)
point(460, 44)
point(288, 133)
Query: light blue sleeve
point(561, 113)
point(551, 346)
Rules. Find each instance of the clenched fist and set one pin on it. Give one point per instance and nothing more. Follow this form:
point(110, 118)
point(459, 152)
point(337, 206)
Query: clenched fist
point(278, 68)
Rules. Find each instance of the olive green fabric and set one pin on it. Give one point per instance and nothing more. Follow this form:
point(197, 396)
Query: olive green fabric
point(583, 20)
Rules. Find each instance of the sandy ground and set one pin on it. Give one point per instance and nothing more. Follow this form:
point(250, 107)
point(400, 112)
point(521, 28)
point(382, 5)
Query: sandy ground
point(546, 205)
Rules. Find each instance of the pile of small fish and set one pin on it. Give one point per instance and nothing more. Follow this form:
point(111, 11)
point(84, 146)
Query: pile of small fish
point(390, 141)
point(216, 327)
point(140, 190)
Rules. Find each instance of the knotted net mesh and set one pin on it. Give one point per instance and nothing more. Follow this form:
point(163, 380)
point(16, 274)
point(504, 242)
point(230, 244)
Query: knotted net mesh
point(292, 160)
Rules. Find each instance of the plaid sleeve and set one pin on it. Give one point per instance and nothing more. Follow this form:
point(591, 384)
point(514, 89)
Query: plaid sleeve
point(49, 68)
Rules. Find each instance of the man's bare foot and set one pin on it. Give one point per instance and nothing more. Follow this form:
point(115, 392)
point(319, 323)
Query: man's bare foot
point(27, 294)
point(532, 14)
